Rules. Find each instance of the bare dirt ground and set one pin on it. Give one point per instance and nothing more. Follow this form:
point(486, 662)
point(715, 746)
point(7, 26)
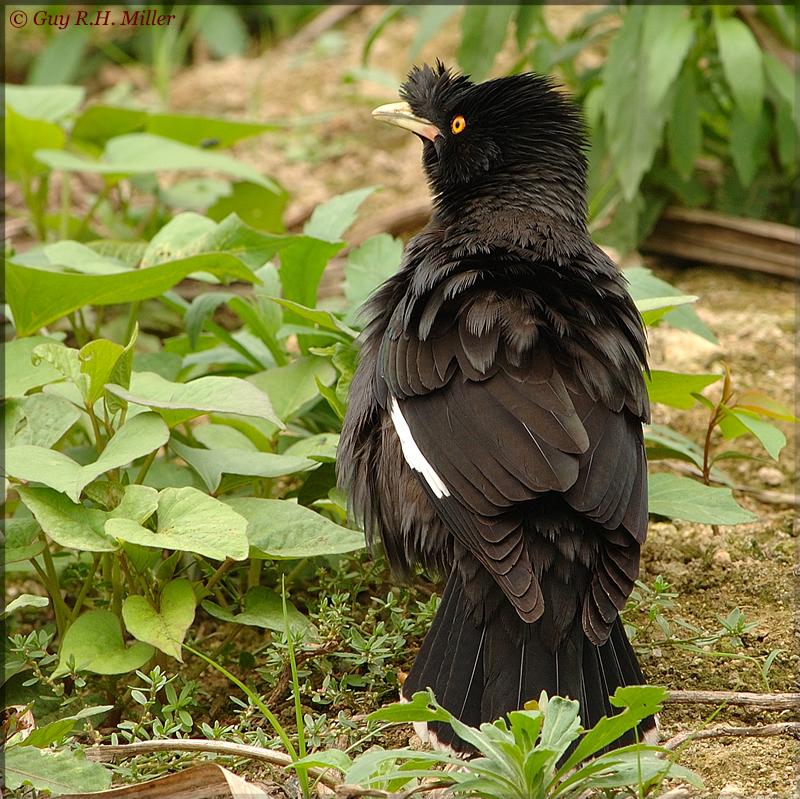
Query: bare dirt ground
point(749, 566)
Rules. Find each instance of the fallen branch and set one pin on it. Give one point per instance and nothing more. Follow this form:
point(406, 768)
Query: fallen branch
point(696, 234)
point(109, 752)
point(787, 701)
point(763, 731)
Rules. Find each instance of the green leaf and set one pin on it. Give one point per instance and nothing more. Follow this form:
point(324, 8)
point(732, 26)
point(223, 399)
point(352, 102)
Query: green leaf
point(633, 120)
point(179, 402)
point(192, 234)
point(742, 65)
point(21, 374)
point(431, 20)
point(264, 608)
point(638, 701)
point(38, 297)
point(56, 772)
point(99, 123)
point(165, 628)
point(70, 256)
point(62, 57)
point(528, 17)
point(292, 387)
point(684, 128)
point(67, 523)
point(222, 29)
point(761, 403)
point(749, 142)
point(188, 521)
point(221, 436)
point(22, 540)
point(281, 529)
point(211, 464)
point(98, 359)
point(330, 219)
point(782, 80)
point(320, 447)
point(664, 442)
point(644, 285)
point(51, 103)
point(677, 389)
point(655, 308)
point(40, 419)
point(24, 601)
point(95, 642)
point(369, 265)
point(420, 708)
point(769, 435)
point(144, 153)
point(202, 309)
point(74, 525)
point(56, 731)
point(196, 130)
point(667, 36)
point(683, 498)
point(302, 265)
point(324, 320)
point(483, 31)
point(561, 724)
point(25, 138)
point(257, 206)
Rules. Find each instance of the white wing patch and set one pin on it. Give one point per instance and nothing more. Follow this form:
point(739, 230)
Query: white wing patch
point(411, 452)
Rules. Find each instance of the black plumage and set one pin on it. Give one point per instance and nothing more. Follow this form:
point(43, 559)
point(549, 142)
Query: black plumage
point(494, 428)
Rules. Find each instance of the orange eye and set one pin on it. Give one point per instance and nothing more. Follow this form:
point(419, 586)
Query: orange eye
point(458, 124)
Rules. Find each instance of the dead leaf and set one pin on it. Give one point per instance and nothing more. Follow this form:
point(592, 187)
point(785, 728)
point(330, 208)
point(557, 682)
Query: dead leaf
point(204, 781)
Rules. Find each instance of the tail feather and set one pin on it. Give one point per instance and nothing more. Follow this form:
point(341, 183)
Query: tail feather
point(480, 671)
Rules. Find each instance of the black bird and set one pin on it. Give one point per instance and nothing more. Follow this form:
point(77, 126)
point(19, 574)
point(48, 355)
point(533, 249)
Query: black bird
point(494, 428)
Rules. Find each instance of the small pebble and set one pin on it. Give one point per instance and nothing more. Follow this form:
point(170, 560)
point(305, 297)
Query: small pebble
point(770, 476)
point(722, 557)
point(732, 791)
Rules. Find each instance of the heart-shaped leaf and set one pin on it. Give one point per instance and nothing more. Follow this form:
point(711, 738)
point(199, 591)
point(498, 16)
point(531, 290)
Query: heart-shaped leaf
point(189, 521)
point(72, 524)
point(164, 628)
point(278, 528)
point(264, 608)
point(138, 437)
point(178, 402)
point(95, 643)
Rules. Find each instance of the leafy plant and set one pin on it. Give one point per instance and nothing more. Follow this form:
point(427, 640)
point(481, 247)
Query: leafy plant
point(687, 106)
point(650, 622)
point(541, 752)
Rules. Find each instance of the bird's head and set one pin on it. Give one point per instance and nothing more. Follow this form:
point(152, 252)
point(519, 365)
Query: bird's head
point(518, 131)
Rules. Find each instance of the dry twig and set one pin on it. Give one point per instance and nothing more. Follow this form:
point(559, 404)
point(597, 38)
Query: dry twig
point(109, 752)
point(787, 701)
point(761, 731)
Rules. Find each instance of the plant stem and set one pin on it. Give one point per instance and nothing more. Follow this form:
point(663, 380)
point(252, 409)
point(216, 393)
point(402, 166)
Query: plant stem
point(66, 194)
point(133, 314)
point(85, 588)
point(254, 698)
point(254, 573)
point(90, 213)
point(51, 582)
point(219, 573)
point(302, 774)
point(148, 462)
point(117, 587)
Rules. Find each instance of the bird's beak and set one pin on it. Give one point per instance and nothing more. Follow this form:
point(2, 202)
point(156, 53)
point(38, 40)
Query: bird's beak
point(400, 114)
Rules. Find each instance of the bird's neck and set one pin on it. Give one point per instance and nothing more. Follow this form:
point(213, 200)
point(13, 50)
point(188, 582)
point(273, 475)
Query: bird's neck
point(516, 208)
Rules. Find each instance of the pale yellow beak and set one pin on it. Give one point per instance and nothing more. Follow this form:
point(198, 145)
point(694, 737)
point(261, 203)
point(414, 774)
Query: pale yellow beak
point(400, 114)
